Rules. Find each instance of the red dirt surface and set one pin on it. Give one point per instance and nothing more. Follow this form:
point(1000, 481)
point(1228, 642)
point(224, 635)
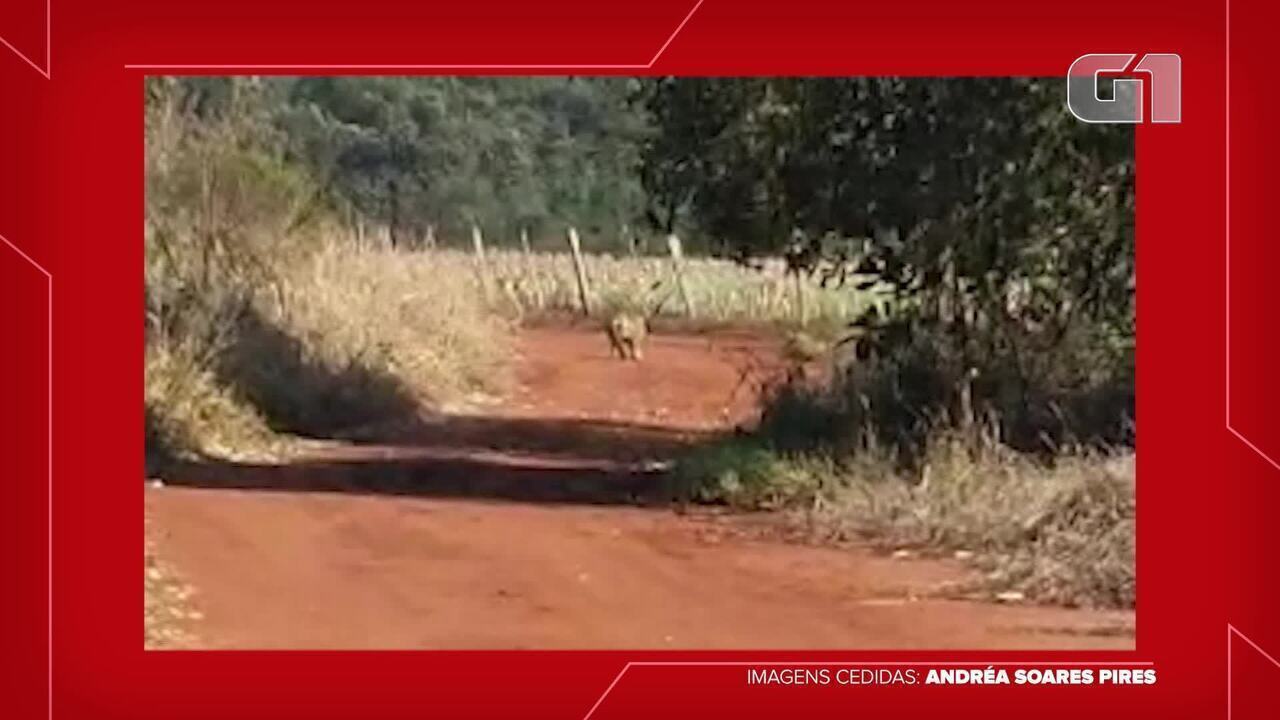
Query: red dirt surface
point(518, 527)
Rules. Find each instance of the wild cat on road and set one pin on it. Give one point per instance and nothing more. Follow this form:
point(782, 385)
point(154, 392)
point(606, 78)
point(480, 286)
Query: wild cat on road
point(628, 327)
point(627, 335)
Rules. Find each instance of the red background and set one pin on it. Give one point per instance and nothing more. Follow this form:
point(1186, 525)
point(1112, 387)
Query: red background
point(71, 181)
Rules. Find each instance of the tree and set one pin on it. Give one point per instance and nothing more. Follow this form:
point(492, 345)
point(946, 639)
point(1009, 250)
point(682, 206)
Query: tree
point(1004, 226)
point(533, 153)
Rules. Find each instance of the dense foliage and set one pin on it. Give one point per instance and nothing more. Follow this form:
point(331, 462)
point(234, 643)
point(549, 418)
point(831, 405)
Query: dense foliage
point(1004, 226)
point(532, 154)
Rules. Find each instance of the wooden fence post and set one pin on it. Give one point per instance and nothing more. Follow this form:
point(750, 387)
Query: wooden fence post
point(524, 240)
point(482, 266)
point(677, 265)
point(580, 270)
point(802, 314)
point(630, 239)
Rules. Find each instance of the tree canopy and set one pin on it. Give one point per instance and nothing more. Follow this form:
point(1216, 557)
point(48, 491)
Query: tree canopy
point(744, 165)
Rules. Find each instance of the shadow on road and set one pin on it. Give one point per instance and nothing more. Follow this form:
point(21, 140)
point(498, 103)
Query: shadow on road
point(552, 460)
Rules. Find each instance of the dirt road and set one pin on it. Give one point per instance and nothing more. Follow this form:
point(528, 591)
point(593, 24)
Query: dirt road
point(516, 527)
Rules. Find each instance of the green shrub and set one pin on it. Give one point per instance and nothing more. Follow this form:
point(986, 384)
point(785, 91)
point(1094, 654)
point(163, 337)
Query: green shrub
point(744, 474)
point(1079, 395)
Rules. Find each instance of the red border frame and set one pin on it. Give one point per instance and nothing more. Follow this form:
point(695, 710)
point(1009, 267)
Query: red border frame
point(70, 198)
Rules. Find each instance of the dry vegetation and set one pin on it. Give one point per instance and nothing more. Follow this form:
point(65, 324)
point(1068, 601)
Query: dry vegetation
point(1059, 531)
point(334, 343)
point(720, 292)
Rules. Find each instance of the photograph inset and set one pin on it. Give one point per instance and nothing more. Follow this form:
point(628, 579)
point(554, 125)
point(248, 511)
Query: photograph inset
point(609, 362)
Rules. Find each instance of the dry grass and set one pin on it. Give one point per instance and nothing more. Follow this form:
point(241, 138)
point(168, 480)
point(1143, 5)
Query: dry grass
point(189, 413)
point(720, 291)
point(336, 340)
point(1059, 533)
point(401, 313)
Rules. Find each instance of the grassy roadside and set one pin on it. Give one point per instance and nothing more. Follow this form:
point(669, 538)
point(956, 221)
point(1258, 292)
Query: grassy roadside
point(342, 341)
point(1059, 532)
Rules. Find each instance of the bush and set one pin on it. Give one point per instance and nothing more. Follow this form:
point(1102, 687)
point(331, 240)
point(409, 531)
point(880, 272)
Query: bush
point(744, 474)
point(1079, 394)
point(188, 413)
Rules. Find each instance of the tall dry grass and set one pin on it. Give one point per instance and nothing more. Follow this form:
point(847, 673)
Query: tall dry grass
point(189, 412)
point(403, 311)
point(1058, 532)
point(333, 342)
point(524, 285)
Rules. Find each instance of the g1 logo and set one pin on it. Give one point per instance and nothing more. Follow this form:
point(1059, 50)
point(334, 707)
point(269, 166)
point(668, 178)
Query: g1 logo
point(1126, 103)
